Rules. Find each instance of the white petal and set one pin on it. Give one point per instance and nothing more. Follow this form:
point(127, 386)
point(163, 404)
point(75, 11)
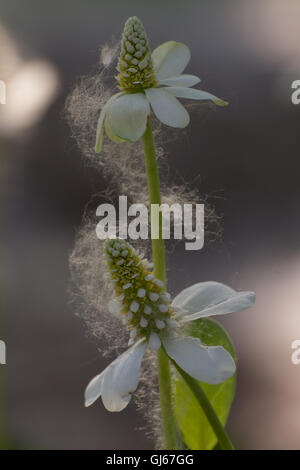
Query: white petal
point(121, 378)
point(154, 341)
point(170, 59)
point(191, 93)
point(127, 116)
point(93, 390)
point(210, 364)
point(167, 108)
point(99, 133)
point(211, 298)
point(181, 80)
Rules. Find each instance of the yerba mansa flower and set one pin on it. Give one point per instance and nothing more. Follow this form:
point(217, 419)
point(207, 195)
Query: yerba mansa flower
point(148, 79)
point(152, 320)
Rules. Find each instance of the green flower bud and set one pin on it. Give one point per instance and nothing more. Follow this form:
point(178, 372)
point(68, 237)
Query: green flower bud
point(135, 66)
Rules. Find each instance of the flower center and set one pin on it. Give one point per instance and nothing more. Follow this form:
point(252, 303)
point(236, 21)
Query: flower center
point(141, 297)
point(135, 66)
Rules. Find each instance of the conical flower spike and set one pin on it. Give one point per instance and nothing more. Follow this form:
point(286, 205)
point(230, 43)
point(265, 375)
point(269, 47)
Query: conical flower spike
point(135, 66)
point(139, 296)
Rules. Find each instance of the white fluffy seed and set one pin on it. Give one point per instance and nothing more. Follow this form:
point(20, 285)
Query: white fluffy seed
point(143, 322)
point(163, 308)
point(147, 309)
point(141, 293)
point(153, 296)
point(160, 324)
point(165, 296)
point(126, 286)
point(134, 306)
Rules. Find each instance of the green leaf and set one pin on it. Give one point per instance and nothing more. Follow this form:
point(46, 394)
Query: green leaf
point(197, 432)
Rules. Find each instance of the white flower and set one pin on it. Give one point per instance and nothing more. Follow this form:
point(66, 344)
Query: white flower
point(210, 364)
point(116, 383)
point(148, 79)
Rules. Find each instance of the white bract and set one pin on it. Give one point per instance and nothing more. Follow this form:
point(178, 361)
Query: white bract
point(210, 364)
point(148, 79)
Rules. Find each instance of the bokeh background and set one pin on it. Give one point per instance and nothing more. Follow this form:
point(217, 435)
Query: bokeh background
point(247, 156)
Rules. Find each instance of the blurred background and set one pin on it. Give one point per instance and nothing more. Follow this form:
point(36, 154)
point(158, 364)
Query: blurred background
point(247, 156)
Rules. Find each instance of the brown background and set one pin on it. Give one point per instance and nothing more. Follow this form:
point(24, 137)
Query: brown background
point(248, 158)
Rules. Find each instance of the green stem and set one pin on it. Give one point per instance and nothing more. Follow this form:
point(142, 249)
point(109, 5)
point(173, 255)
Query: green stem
point(158, 246)
point(159, 259)
point(169, 424)
point(224, 440)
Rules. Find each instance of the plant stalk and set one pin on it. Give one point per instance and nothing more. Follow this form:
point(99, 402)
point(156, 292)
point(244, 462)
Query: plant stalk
point(169, 426)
